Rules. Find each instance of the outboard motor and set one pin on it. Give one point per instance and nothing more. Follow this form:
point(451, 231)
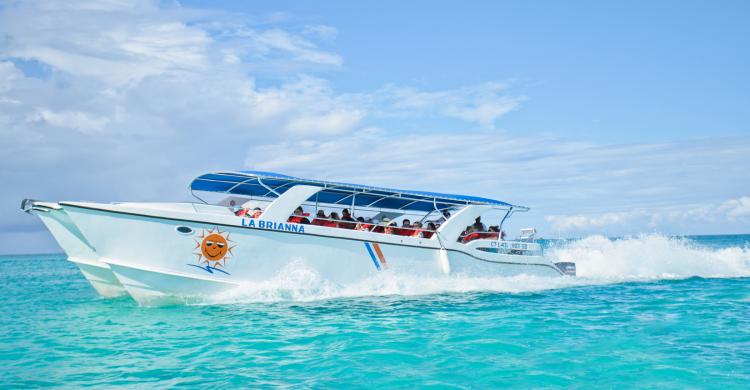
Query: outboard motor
point(567, 267)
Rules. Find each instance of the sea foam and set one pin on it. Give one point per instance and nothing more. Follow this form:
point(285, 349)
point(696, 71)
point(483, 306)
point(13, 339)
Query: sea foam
point(599, 260)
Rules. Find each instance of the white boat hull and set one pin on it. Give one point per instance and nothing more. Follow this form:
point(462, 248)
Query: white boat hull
point(154, 252)
point(80, 252)
point(156, 263)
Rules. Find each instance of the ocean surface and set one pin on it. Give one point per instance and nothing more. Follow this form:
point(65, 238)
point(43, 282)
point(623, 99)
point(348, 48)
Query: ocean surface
point(648, 311)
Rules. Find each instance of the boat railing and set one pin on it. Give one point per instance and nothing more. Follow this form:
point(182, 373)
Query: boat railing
point(372, 226)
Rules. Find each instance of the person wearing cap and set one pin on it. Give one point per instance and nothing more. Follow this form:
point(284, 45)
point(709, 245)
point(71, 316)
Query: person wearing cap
point(478, 225)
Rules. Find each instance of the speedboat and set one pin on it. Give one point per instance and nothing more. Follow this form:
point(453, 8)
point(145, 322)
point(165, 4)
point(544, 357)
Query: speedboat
point(248, 225)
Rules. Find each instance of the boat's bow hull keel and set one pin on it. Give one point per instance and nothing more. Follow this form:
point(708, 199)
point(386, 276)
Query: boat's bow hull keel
point(76, 247)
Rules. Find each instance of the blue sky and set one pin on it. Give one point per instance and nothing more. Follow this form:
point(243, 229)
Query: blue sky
point(605, 118)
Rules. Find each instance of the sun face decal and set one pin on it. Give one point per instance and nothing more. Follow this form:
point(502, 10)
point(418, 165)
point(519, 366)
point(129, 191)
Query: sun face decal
point(213, 247)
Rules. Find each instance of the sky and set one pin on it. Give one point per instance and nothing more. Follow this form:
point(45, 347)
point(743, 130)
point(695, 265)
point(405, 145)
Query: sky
point(614, 118)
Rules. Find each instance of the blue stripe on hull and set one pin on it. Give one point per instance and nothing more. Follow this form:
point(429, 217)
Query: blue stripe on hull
point(372, 255)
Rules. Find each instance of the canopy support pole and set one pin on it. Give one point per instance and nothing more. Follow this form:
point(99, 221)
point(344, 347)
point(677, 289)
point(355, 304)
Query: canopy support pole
point(267, 187)
point(510, 211)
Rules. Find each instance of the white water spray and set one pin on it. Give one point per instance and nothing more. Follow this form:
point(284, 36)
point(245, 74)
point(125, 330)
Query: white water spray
point(599, 260)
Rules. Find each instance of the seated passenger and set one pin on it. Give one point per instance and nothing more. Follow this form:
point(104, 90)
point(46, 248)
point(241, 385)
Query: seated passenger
point(493, 233)
point(242, 212)
point(463, 234)
point(469, 235)
point(391, 228)
point(297, 217)
point(362, 225)
point(429, 231)
point(320, 218)
point(472, 236)
point(478, 225)
point(346, 216)
point(333, 220)
point(405, 229)
point(257, 212)
point(416, 229)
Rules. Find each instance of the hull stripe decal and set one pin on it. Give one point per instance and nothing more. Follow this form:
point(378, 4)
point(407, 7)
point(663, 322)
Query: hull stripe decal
point(372, 255)
point(380, 254)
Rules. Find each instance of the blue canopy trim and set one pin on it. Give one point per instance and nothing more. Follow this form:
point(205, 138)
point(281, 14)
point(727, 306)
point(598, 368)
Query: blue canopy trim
point(271, 185)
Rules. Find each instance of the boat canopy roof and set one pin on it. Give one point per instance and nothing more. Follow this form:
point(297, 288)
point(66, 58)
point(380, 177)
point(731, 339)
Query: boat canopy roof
point(272, 185)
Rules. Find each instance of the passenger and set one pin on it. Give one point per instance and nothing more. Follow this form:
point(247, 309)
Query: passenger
point(470, 235)
point(333, 220)
point(493, 233)
point(473, 235)
point(257, 212)
point(346, 216)
point(416, 229)
point(362, 225)
point(463, 234)
point(298, 215)
point(405, 229)
point(242, 212)
point(391, 228)
point(427, 233)
point(380, 228)
point(320, 218)
point(478, 225)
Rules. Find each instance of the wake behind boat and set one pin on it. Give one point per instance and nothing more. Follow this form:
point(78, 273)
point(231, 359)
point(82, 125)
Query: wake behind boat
point(159, 252)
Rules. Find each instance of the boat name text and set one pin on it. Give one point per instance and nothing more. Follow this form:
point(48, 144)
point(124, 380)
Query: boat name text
point(261, 224)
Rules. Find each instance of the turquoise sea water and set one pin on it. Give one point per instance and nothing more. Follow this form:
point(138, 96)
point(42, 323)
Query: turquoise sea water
point(648, 311)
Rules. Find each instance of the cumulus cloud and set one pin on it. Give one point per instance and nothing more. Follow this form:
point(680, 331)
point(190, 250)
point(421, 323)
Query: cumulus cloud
point(737, 208)
point(696, 215)
point(482, 103)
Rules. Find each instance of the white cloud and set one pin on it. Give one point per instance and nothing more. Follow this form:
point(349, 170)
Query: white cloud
point(737, 208)
point(77, 120)
point(482, 103)
point(732, 210)
point(588, 222)
point(321, 31)
point(334, 122)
